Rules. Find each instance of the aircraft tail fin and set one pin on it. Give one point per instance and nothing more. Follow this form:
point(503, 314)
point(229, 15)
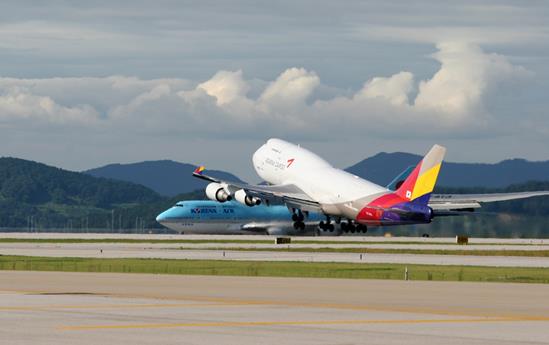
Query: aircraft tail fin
point(419, 185)
point(399, 180)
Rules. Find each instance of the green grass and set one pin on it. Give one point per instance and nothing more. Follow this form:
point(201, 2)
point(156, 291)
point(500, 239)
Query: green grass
point(499, 252)
point(277, 269)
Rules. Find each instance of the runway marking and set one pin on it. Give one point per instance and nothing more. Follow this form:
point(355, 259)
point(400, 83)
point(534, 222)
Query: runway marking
point(218, 301)
point(114, 306)
point(290, 323)
point(413, 310)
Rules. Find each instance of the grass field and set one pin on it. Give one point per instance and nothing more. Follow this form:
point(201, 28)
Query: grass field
point(278, 269)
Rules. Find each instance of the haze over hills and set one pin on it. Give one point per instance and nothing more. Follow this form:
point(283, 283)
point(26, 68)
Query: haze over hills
point(166, 177)
point(171, 178)
point(383, 167)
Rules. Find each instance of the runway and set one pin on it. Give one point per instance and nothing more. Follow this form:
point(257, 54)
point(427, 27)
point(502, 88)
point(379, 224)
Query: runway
point(172, 251)
point(88, 308)
point(320, 239)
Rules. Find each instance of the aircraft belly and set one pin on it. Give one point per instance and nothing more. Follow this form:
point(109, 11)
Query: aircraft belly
point(206, 228)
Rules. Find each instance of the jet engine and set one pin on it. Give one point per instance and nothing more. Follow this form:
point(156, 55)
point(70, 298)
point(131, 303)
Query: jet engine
point(243, 198)
point(216, 192)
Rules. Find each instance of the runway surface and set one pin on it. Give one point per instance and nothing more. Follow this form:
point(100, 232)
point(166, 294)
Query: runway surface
point(321, 239)
point(89, 308)
point(171, 251)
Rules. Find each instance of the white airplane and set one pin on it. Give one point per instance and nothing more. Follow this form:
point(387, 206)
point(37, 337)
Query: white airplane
point(305, 182)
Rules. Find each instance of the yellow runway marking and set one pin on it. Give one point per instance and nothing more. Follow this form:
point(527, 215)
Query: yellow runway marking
point(219, 301)
point(115, 306)
point(291, 323)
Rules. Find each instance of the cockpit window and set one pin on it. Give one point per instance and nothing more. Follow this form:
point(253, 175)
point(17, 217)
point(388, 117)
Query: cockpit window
point(179, 204)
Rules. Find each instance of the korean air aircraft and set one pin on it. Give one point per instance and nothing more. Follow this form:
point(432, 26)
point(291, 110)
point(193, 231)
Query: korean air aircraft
point(306, 183)
point(212, 217)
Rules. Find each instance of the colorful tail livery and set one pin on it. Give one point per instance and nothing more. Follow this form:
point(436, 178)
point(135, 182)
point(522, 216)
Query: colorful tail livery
point(199, 170)
point(409, 203)
point(421, 182)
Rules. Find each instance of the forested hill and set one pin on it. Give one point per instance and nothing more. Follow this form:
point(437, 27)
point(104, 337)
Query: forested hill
point(53, 197)
point(165, 177)
point(36, 183)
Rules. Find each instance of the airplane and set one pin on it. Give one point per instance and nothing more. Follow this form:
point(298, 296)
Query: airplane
point(209, 217)
point(233, 218)
point(306, 183)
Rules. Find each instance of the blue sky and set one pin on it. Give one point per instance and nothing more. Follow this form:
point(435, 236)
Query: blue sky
point(82, 85)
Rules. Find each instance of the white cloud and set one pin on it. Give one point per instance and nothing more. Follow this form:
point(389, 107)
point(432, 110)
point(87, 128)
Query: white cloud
point(395, 89)
point(453, 100)
point(18, 104)
point(291, 89)
point(458, 89)
point(226, 87)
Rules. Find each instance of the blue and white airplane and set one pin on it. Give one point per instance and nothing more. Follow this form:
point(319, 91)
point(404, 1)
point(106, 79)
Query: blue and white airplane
point(212, 217)
point(209, 217)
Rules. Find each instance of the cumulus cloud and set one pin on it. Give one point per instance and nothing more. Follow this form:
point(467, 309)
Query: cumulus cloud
point(18, 104)
point(454, 99)
point(226, 87)
point(465, 76)
point(291, 89)
point(394, 89)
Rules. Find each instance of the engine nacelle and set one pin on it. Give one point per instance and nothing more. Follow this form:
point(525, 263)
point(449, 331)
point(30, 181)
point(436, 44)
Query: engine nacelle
point(243, 198)
point(216, 192)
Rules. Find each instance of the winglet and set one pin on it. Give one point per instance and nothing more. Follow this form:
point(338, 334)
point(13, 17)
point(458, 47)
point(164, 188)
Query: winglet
point(199, 170)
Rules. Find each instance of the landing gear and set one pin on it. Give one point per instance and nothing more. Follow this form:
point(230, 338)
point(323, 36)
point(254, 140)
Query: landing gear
point(361, 228)
point(326, 226)
point(349, 226)
point(298, 219)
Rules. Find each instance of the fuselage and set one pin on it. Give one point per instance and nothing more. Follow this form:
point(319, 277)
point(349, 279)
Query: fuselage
point(338, 192)
point(211, 217)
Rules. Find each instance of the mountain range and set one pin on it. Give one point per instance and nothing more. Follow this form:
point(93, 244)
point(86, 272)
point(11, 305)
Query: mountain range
point(164, 177)
point(37, 197)
point(383, 167)
point(171, 178)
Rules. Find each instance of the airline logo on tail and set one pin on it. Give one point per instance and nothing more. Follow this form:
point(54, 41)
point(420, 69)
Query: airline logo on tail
point(421, 181)
point(199, 170)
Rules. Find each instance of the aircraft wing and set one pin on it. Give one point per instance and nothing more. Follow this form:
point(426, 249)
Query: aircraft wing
point(456, 202)
point(289, 194)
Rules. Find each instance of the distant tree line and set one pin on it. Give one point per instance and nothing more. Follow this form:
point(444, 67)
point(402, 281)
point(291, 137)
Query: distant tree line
point(35, 196)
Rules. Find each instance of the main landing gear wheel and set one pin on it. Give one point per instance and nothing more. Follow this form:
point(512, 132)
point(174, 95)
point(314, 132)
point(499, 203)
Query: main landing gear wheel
point(298, 219)
point(326, 226)
point(299, 225)
point(351, 227)
point(361, 228)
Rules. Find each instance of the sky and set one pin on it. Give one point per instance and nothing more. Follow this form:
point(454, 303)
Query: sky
point(84, 84)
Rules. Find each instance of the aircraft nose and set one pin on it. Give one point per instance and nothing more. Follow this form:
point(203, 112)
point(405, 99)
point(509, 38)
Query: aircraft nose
point(161, 217)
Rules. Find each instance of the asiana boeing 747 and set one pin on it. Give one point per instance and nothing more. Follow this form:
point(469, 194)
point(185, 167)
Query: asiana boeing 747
point(306, 183)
